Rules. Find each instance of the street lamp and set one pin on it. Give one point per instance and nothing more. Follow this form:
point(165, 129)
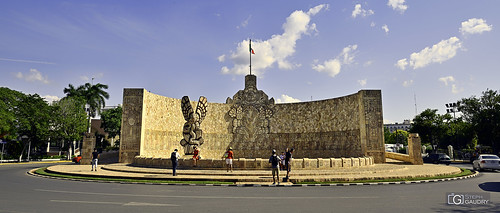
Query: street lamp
point(453, 108)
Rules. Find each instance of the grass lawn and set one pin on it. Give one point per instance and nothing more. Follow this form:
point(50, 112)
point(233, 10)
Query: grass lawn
point(42, 171)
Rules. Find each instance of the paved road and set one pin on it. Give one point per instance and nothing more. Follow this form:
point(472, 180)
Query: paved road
point(22, 193)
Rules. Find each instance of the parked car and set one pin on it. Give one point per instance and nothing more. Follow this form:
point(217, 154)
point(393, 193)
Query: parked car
point(437, 158)
point(486, 161)
point(77, 159)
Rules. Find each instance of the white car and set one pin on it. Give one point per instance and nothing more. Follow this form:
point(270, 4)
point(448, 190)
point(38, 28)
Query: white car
point(485, 161)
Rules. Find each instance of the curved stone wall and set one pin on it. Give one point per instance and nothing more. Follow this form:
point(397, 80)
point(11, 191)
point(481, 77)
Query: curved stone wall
point(349, 126)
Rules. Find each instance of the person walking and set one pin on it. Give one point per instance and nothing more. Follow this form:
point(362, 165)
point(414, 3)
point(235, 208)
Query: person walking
point(288, 161)
point(196, 156)
point(174, 157)
point(95, 158)
point(275, 162)
point(229, 159)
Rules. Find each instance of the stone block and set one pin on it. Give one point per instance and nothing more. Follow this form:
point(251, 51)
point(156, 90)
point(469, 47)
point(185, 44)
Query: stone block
point(346, 162)
point(243, 162)
point(310, 163)
point(323, 163)
point(336, 162)
point(165, 163)
point(251, 164)
point(362, 161)
point(156, 162)
point(355, 162)
point(148, 161)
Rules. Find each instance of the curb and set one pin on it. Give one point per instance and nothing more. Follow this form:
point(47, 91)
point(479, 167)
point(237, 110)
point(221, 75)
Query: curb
point(476, 173)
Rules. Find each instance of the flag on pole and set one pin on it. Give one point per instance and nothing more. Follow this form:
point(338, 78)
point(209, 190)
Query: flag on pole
point(251, 50)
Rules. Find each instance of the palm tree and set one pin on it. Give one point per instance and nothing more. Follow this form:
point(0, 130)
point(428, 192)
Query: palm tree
point(94, 95)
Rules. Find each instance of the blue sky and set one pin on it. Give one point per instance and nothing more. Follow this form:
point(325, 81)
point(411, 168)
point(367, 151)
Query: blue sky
point(434, 52)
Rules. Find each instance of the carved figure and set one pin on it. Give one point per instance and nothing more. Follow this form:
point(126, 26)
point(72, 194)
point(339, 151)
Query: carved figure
point(191, 131)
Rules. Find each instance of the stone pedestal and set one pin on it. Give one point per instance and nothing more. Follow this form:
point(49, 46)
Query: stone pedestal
point(87, 149)
point(414, 149)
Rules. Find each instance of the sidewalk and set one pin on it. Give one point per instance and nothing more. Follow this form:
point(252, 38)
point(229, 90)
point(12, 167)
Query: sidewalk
point(378, 171)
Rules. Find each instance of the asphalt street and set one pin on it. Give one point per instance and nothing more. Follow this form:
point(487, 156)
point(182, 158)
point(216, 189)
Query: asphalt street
point(20, 192)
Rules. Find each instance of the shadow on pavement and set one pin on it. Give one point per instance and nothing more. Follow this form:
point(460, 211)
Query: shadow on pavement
point(490, 186)
point(492, 207)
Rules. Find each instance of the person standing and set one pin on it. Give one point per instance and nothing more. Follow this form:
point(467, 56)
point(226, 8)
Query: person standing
point(282, 163)
point(174, 157)
point(95, 157)
point(275, 162)
point(196, 156)
point(288, 161)
point(229, 159)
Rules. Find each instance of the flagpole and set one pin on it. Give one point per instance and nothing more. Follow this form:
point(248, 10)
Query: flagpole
point(250, 51)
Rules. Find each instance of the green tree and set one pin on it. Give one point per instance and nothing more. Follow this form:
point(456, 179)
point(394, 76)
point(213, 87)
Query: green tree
point(33, 118)
point(459, 134)
point(387, 135)
point(70, 120)
point(430, 126)
point(484, 115)
point(9, 102)
point(399, 136)
point(111, 122)
point(95, 95)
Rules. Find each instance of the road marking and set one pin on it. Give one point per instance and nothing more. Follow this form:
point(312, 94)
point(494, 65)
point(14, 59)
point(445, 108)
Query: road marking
point(204, 197)
point(113, 203)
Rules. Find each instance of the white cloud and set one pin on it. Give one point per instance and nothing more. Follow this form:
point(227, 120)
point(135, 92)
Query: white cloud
point(385, 28)
point(447, 79)
point(438, 53)
point(34, 75)
point(275, 50)
point(221, 58)
point(244, 23)
point(398, 5)
point(372, 24)
point(475, 26)
point(362, 82)
point(360, 11)
point(450, 80)
point(51, 98)
point(407, 83)
point(402, 64)
point(368, 63)
point(333, 66)
point(286, 99)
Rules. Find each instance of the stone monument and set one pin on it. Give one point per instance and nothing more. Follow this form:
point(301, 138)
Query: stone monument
point(191, 131)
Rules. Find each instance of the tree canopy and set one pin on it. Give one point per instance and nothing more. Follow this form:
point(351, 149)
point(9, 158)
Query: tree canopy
point(94, 94)
point(111, 121)
point(483, 114)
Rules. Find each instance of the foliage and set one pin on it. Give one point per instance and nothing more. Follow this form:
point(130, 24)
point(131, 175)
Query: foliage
point(9, 102)
point(94, 95)
point(112, 121)
point(398, 136)
point(387, 134)
point(33, 118)
point(483, 114)
point(430, 126)
point(70, 119)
